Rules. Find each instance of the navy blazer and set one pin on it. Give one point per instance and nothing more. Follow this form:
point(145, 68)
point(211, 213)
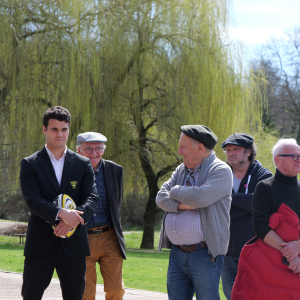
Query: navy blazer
point(40, 187)
point(113, 177)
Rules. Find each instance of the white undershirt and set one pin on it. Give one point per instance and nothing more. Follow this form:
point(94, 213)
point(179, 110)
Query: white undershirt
point(236, 183)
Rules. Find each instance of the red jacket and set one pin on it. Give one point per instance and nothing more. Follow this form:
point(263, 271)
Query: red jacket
point(261, 273)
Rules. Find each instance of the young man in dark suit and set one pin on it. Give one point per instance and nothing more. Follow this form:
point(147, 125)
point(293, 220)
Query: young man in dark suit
point(104, 227)
point(44, 175)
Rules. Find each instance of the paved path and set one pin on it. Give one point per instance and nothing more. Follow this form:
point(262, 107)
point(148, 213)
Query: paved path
point(7, 226)
point(10, 289)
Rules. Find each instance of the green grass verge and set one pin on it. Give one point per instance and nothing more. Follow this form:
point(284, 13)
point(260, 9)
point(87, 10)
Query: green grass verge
point(11, 258)
point(133, 240)
point(141, 270)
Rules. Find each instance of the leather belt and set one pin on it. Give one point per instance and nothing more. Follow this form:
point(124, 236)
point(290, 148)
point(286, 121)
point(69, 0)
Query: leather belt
point(192, 247)
point(100, 230)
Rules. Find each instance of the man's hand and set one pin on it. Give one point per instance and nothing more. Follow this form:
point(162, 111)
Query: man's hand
point(62, 229)
point(182, 206)
point(295, 265)
point(71, 217)
point(290, 250)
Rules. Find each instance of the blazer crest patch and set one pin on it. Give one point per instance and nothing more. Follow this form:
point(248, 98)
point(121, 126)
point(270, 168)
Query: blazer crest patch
point(73, 184)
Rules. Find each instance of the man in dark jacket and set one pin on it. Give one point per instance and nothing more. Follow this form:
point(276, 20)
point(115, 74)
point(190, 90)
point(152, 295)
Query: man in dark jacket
point(104, 228)
point(44, 175)
point(247, 172)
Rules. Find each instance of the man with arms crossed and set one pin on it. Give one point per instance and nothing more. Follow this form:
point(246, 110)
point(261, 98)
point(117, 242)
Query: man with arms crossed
point(44, 175)
point(246, 172)
point(104, 228)
point(196, 225)
point(284, 187)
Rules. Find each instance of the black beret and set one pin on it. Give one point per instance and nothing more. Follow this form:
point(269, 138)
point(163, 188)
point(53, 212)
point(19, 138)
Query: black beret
point(200, 133)
point(239, 139)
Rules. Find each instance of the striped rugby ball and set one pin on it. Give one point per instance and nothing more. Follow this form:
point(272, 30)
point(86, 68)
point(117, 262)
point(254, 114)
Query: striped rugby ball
point(65, 201)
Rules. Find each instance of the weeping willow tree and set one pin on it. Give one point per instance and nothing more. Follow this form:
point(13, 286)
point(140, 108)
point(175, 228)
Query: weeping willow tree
point(133, 70)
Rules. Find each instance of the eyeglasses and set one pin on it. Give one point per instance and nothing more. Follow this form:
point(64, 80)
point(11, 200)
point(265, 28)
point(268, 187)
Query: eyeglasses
point(90, 150)
point(294, 156)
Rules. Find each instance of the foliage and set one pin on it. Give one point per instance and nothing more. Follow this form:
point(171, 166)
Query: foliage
point(265, 141)
point(133, 70)
point(280, 62)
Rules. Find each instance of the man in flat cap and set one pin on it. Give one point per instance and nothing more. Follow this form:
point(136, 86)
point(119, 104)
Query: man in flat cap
point(246, 172)
point(104, 228)
point(196, 226)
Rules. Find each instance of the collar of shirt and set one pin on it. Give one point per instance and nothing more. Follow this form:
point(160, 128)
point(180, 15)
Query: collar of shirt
point(52, 156)
point(58, 165)
point(196, 170)
point(100, 166)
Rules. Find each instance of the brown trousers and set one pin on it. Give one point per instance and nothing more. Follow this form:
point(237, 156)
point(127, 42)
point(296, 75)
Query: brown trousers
point(106, 251)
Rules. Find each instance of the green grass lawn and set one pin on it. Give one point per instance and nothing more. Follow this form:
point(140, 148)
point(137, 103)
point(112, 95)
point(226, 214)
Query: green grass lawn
point(141, 270)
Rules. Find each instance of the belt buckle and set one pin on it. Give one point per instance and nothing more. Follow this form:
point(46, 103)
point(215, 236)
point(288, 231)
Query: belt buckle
point(98, 231)
point(183, 248)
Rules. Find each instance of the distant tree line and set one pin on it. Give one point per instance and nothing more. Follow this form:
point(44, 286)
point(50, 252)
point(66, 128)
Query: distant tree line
point(280, 62)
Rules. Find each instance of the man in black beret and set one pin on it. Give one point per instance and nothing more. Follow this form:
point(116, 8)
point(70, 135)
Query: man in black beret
point(247, 172)
point(196, 226)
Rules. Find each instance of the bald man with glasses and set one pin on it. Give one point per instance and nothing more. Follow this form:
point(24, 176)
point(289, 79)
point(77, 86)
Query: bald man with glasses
point(284, 187)
point(104, 228)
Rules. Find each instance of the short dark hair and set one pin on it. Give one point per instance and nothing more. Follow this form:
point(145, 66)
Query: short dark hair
point(58, 113)
point(253, 149)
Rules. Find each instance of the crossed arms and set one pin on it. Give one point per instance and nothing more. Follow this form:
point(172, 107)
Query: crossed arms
point(173, 196)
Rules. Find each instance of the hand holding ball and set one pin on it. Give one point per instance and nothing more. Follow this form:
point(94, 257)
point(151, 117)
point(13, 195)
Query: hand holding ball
point(66, 202)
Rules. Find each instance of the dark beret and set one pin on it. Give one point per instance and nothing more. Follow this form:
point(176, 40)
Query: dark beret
point(239, 139)
point(200, 133)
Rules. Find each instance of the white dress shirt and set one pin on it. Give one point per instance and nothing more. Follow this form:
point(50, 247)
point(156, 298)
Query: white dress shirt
point(58, 166)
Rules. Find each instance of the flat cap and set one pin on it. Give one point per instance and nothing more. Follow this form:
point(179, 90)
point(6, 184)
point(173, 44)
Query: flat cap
point(91, 137)
point(239, 139)
point(201, 133)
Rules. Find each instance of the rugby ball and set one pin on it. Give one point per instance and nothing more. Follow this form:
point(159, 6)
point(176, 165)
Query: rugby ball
point(65, 201)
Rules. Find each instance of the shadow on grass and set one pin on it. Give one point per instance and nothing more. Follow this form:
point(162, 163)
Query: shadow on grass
point(155, 255)
point(11, 247)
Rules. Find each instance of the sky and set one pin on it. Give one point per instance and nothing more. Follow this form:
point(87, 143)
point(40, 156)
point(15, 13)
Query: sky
point(258, 20)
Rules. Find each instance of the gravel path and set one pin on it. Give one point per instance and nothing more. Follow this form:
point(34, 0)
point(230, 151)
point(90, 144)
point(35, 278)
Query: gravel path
point(6, 226)
point(11, 283)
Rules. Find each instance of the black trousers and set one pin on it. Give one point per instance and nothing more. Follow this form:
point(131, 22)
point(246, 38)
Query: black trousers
point(38, 274)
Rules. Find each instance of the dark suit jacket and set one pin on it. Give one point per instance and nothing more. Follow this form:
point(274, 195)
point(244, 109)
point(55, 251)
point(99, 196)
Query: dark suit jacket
point(40, 187)
point(113, 177)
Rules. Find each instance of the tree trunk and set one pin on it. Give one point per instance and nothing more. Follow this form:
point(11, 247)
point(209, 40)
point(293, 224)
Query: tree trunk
point(149, 218)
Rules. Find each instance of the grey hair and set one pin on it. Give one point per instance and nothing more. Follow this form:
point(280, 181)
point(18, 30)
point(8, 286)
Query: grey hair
point(278, 147)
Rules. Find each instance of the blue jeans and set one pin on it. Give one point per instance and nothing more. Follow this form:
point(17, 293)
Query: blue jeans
point(192, 272)
point(228, 275)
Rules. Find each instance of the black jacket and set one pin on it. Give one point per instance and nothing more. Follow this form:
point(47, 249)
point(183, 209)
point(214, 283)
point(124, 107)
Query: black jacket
point(241, 229)
point(113, 177)
point(40, 187)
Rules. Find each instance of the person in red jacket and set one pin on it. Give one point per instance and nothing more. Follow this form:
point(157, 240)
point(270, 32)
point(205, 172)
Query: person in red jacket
point(261, 271)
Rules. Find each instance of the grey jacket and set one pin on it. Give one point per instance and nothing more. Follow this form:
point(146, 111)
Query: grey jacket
point(212, 195)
